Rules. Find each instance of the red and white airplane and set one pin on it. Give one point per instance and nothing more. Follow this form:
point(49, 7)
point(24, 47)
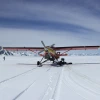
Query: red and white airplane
point(50, 52)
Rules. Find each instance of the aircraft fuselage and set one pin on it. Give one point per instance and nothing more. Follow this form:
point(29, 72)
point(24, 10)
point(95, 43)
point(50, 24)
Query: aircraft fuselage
point(52, 55)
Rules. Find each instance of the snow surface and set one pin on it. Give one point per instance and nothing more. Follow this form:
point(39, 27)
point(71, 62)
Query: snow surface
point(21, 79)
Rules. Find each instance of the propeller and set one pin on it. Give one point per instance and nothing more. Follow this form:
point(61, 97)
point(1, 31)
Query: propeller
point(45, 48)
point(52, 45)
point(40, 51)
point(44, 45)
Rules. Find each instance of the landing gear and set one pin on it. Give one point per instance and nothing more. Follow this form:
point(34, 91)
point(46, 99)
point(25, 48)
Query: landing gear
point(62, 62)
point(55, 62)
point(39, 64)
point(62, 59)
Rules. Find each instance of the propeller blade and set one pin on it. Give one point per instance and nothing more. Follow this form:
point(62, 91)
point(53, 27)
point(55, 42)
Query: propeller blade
point(40, 51)
point(52, 45)
point(45, 49)
point(44, 45)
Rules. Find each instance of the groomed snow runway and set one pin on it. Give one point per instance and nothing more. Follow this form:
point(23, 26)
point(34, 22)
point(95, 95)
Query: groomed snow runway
point(20, 79)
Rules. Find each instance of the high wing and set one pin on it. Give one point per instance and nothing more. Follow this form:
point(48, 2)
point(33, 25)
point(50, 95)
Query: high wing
point(55, 48)
point(76, 48)
point(23, 48)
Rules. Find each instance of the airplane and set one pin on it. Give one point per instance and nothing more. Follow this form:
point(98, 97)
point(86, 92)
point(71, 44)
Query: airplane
point(51, 53)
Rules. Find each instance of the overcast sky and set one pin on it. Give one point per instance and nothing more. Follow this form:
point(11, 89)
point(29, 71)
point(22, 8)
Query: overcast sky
point(63, 22)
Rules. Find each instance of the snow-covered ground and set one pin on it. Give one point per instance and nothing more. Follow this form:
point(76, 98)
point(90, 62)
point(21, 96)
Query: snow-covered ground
point(21, 79)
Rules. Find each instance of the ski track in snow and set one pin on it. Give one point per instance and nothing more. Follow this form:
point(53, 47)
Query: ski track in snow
point(23, 91)
point(53, 88)
point(86, 80)
point(28, 87)
point(17, 75)
point(52, 83)
point(81, 81)
point(49, 91)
